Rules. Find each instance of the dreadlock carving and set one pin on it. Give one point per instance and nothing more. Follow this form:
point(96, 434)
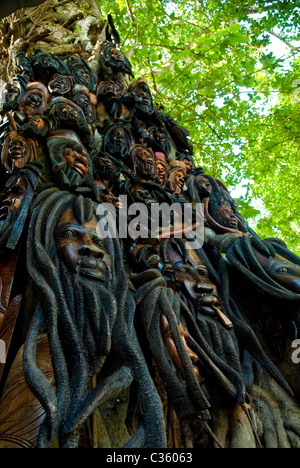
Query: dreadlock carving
point(79, 315)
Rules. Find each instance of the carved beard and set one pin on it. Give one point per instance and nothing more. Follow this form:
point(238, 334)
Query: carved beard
point(145, 169)
point(93, 316)
point(74, 179)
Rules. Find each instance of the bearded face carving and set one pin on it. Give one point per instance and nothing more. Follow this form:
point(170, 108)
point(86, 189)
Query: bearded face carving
point(80, 248)
point(70, 160)
point(143, 162)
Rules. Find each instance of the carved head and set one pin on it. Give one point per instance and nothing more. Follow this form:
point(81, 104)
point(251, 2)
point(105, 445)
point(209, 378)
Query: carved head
point(203, 186)
point(81, 97)
point(117, 140)
point(110, 88)
point(114, 60)
point(14, 198)
point(70, 160)
point(143, 162)
point(61, 84)
point(281, 270)
point(34, 100)
point(177, 176)
point(192, 278)
point(142, 95)
point(11, 93)
point(82, 73)
point(80, 247)
point(18, 150)
point(162, 168)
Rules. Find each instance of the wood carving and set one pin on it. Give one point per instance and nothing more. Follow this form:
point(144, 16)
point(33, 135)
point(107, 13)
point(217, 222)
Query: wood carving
point(125, 333)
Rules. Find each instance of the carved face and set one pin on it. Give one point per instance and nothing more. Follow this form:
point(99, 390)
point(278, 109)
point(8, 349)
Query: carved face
point(117, 139)
point(14, 199)
point(193, 278)
point(160, 137)
point(31, 104)
point(144, 162)
point(282, 271)
point(143, 97)
point(18, 152)
point(110, 88)
point(117, 55)
point(228, 216)
point(76, 161)
point(189, 166)
point(11, 92)
point(177, 181)
point(141, 195)
point(80, 248)
point(61, 84)
point(81, 75)
point(83, 101)
point(203, 185)
point(162, 172)
point(38, 123)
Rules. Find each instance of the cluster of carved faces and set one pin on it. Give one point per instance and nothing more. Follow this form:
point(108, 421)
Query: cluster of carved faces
point(133, 132)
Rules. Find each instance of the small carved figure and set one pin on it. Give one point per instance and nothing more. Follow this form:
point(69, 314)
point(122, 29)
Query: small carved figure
point(12, 93)
point(113, 61)
point(143, 100)
point(18, 150)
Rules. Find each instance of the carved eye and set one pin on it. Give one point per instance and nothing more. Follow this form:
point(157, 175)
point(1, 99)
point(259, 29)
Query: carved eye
point(69, 234)
point(98, 242)
point(282, 270)
point(202, 271)
point(184, 269)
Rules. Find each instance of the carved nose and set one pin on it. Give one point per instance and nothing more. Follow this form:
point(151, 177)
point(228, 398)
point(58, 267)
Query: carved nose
point(90, 251)
point(203, 288)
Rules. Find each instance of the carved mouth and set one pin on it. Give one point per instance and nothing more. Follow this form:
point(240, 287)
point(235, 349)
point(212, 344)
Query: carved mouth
point(207, 303)
point(80, 168)
point(93, 268)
